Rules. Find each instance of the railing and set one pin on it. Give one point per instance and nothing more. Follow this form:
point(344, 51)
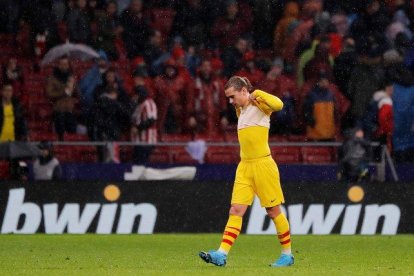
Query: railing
point(380, 166)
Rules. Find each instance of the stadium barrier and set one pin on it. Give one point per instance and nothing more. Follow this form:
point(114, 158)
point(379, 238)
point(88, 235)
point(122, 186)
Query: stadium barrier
point(316, 154)
point(200, 207)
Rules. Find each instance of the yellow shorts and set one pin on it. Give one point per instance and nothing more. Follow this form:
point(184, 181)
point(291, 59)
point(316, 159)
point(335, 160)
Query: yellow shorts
point(257, 176)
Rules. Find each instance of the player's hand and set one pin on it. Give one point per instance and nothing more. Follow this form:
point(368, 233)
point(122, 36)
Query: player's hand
point(254, 99)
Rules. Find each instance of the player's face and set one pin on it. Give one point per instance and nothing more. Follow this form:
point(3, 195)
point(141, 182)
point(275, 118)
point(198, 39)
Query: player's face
point(238, 98)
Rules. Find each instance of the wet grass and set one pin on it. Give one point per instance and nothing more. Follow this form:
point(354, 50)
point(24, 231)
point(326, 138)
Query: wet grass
point(177, 255)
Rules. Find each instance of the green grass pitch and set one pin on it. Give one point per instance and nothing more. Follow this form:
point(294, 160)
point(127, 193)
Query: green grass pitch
point(169, 254)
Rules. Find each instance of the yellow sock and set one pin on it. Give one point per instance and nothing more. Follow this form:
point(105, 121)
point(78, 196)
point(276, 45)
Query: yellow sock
point(283, 232)
point(231, 232)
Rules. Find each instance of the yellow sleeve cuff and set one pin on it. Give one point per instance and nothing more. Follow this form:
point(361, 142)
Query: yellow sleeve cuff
point(267, 102)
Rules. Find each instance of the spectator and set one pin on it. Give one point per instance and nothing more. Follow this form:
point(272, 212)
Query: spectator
point(24, 36)
point(13, 74)
point(231, 26)
point(61, 90)
point(265, 14)
point(209, 101)
point(42, 22)
point(190, 22)
point(144, 124)
point(319, 49)
point(366, 78)
point(377, 122)
point(217, 67)
point(93, 78)
point(319, 111)
point(321, 61)
point(108, 29)
point(193, 59)
point(136, 29)
point(354, 157)
point(172, 98)
point(78, 21)
point(402, 111)
point(249, 69)
point(46, 166)
point(394, 29)
point(58, 9)
point(284, 26)
point(12, 122)
point(282, 86)
point(372, 21)
point(112, 80)
point(140, 76)
point(341, 23)
point(232, 57)
point(301, 32)
point(345, 63)
point(154, 52)
point(10, 11)
point(109, 115)
point(179, 55)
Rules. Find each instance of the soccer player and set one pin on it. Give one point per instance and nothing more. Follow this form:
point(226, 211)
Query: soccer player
point(257, 172)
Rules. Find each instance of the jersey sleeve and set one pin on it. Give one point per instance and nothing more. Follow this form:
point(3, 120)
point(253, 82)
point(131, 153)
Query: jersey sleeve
point(266, 102)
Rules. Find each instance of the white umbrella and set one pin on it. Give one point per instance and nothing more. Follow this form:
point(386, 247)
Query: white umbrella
point(73, 51)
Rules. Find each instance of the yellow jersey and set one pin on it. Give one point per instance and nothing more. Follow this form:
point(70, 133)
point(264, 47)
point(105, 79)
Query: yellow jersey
point(254, 123)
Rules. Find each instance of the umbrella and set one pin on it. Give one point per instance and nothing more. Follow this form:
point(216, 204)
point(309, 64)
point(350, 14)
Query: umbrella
point(14, 150)
point(73, 51)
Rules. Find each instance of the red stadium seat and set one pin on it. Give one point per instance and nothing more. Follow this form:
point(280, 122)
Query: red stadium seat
point(181, 156)
point(317, 155)
point(40, 111)
point(162, 20)
point(297, 138)
point(41, 136)
point(286, 155)
point(125, 153)
point(176, 138)
point(63, 154)
point(35, 78)
point(216, 137)
point(85, 154)
point(75, 137)
point(35, 87)
point(222, 155)
point(80, 154)
point(231, 137)
point(40, 126)
point(4, 170)
point(161, 155)
point(277, 138)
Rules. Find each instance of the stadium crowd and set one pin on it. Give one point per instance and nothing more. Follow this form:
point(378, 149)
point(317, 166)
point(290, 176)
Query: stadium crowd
point(336, 65)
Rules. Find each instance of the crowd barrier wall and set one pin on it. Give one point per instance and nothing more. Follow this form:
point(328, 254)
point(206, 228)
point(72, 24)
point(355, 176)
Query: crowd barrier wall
point(147, 207)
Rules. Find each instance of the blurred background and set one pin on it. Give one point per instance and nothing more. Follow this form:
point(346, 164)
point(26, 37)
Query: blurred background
point(96, 90)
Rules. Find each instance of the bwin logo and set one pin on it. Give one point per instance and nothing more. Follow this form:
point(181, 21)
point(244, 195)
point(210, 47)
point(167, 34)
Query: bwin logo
point(316, 221)
point(75, 221)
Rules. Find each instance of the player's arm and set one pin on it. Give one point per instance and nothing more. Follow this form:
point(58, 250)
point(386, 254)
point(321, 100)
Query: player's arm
point(266, 102)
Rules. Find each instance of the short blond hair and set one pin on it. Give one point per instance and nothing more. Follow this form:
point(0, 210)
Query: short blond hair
point(238, 83)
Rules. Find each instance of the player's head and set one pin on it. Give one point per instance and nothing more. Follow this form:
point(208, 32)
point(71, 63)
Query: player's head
point(237, 90)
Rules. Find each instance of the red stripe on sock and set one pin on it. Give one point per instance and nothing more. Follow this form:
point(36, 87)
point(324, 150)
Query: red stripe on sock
point(227, 241)
point(281, 236)
point(234, 236)
point(285, 242)
point(234, 228)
